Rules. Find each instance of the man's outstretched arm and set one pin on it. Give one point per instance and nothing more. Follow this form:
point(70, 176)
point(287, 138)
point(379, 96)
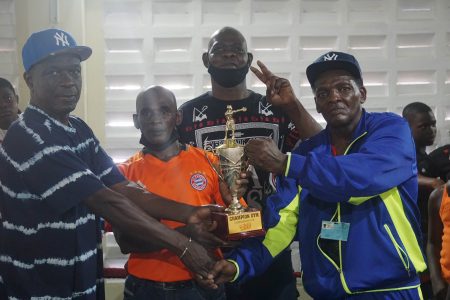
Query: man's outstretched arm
point(129, 217)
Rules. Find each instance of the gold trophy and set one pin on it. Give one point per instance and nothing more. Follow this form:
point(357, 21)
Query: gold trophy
point(237, 222)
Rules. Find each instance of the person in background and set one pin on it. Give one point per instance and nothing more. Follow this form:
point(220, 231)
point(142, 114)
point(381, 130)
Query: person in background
point(440, 157)
point(422, 122)
point(273, 115)
point(57, 181)
point(9, 112)
point(350, 202)
point(9, 109)
point(438, 246)
point(177, 171)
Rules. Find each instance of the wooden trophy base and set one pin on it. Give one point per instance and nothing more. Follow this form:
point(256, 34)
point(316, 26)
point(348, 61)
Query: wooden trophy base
point(238, 226)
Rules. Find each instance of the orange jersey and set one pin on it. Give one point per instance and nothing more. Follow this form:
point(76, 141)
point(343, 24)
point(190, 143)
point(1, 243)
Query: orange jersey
point(444, 213)
point(186, 178)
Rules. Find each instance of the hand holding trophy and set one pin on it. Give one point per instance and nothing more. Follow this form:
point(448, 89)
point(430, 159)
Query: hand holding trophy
point(237, 222)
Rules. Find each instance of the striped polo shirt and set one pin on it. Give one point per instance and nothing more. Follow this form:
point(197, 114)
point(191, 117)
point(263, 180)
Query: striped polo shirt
point(50, 243)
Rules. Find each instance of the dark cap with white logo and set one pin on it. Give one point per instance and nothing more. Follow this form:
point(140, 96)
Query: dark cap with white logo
point(333, 61)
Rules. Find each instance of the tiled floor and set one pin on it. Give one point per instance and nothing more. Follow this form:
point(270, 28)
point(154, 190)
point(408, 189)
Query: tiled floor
point(303, 294)
point(114, 289)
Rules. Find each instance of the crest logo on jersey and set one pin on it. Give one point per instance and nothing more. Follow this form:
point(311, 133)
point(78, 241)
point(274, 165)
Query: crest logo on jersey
point(199, 115)
point(198, 181)
point(330, 56)
point(265, 109)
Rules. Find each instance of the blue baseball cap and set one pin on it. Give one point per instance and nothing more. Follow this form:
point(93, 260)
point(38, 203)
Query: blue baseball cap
point(42, 44)
point(333, 61)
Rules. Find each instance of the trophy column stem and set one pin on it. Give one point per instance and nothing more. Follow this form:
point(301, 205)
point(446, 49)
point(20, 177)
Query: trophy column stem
point(235, 207)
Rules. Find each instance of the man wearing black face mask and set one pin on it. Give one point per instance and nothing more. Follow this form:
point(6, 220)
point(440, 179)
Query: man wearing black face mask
point(203, 125)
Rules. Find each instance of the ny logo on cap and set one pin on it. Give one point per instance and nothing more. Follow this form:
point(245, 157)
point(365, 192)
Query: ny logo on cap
point(61, 37)
point(330, 56)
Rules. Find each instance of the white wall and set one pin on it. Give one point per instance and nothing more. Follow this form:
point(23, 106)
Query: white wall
point(403, 47)
point(80, 18)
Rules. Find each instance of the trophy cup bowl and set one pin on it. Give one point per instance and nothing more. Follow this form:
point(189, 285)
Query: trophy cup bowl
point(236, 222)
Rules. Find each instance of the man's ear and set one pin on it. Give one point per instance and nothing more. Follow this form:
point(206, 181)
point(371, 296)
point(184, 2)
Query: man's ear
point(28, 81)
point(135, 121)
point(249, 59)
point(205, 59)
point(363, 92)
point(317, 106)
point(179, 117)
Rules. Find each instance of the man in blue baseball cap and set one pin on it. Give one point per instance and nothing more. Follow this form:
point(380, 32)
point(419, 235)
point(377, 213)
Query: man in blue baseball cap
point(44, 44)
point(348, 194)
point(56, 181)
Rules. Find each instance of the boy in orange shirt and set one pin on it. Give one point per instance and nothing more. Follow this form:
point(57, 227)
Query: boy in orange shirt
point(438, 247)
point(179, 172)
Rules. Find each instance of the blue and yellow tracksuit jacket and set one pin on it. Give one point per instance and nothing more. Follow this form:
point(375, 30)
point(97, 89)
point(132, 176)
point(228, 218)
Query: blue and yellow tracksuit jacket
point(373, 187)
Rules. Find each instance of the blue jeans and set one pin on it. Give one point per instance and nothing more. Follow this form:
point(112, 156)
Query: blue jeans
point(141, 289)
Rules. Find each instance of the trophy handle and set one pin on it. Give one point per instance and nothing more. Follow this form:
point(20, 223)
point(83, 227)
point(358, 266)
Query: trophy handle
point(234, 207)
point(212, 165)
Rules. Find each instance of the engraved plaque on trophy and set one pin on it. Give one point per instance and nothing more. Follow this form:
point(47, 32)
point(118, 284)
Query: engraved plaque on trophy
point(237, 222)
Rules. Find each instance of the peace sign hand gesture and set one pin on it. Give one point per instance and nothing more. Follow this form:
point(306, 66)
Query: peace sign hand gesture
point(279, 90)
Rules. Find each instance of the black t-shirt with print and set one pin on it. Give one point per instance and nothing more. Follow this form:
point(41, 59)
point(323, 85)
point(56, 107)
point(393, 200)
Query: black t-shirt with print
point(203, 125)
point(436, 164)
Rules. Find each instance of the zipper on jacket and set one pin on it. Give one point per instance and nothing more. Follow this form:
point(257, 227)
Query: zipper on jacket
point(401, 253)
point(343, 281)
point(338, 266)
point(341, 269)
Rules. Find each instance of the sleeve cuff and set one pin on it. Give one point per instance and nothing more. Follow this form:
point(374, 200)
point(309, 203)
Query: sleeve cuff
point(294, 165)
point(237, 269)
point(287, 164)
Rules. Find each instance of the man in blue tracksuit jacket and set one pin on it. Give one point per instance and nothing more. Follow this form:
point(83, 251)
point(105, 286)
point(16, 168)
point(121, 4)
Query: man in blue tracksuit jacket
point(348, 195)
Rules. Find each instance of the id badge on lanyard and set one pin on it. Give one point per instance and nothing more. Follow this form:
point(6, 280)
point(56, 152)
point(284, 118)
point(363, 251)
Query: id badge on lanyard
point(334, 230)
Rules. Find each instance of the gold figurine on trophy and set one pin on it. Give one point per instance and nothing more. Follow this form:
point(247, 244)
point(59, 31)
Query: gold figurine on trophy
point(237, 222)
point(230, 125)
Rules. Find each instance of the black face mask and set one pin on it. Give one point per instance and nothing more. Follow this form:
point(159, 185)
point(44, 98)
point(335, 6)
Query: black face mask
point(152, 147)
point(228, 77)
